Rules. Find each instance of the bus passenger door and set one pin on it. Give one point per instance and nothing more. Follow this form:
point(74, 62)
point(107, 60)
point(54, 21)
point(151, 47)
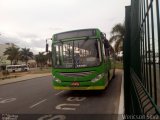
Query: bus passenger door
point(112, 62)
point(106, 61)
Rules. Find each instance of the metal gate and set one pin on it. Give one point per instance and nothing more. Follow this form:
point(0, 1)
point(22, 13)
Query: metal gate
point(141, 58)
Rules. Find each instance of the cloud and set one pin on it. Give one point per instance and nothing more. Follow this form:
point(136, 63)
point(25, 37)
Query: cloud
point(28, 23)
point(28, 35)
point(29, 41)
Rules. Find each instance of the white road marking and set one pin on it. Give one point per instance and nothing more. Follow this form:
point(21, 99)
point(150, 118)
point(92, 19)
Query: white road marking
point(7, 100)
point(52, 117)
point(121, 101)
point(38, 103)
point(78, 99)
point(64, 106)
point(59, 92)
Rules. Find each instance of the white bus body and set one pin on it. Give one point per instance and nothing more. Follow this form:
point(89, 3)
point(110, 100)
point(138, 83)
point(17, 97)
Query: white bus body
point(17, 68)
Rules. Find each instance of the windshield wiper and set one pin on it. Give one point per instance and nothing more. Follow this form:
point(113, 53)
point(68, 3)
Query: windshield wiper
point(61, 41)
point(87, 38)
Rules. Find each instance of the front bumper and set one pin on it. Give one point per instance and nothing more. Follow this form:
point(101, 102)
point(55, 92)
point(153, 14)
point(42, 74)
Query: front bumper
point(80, 88)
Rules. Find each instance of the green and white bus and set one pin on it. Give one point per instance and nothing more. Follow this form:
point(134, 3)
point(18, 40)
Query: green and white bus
point(82, 60)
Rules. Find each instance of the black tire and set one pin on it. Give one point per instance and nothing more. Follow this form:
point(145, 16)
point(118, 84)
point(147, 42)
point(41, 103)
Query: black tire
point(113, 73)
point(108, 75)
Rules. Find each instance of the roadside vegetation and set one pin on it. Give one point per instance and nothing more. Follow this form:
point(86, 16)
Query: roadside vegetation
point(116, 39)
point(119, 65)
point(25, 54)
point(7, 75)
point(40, 71)
point(41, 59)
point(14, 54)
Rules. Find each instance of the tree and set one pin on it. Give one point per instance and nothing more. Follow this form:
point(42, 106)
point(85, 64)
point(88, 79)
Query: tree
point(13, 54)
point(118, 33)
point(49, 57)
point(2, 58)
point(25, 55)
point(41, 59)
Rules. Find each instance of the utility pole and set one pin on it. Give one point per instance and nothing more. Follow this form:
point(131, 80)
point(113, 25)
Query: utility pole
point(47, 43)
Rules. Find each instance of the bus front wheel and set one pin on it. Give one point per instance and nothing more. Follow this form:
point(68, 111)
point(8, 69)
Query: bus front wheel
point(113, 73)
point(108, 76)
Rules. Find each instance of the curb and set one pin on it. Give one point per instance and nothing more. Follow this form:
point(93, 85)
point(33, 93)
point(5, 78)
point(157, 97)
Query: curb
point(121, 101)
point(1, 83)
point(8, 77)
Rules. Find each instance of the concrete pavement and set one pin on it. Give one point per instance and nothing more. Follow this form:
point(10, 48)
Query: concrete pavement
point(37, 96)
point(23, 78)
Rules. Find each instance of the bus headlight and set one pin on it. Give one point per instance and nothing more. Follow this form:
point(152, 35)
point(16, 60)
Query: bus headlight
point(100, 76)
point(56, 79)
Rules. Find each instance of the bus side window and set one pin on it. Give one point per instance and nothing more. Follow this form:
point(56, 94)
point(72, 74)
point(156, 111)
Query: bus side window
point(96, 46)
point(107, 47)
point(105, 52)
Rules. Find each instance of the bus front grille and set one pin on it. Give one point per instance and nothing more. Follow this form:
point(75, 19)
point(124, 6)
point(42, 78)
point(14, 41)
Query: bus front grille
point(80, 74)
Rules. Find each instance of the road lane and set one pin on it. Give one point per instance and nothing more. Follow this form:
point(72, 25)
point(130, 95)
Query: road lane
point(26, 94)
point(39, 94)
point(36, 104)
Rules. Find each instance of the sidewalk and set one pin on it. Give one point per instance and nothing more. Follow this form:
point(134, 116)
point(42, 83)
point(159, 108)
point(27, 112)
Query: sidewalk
point(23, 78)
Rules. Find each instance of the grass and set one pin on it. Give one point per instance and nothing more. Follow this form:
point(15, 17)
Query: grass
point(119, 65)
point(32, 71)
point(40, 71)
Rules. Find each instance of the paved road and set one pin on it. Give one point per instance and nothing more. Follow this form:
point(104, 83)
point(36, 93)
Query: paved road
point(36, 96)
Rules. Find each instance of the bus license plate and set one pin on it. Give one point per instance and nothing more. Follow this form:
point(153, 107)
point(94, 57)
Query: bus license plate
point(75, 84)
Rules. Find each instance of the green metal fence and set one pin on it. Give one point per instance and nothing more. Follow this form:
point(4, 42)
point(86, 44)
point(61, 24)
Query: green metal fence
point(141, 58)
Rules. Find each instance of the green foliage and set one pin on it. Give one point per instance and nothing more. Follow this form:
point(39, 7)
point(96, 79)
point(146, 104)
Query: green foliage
point(41, 59)
point(118, 33)
point(118, 65)
point(41, 71)
point(25, 54)
point(13, 54)
point(5, 73)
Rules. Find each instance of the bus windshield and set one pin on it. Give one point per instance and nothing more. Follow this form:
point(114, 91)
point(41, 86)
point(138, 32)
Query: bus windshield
point(77, 53)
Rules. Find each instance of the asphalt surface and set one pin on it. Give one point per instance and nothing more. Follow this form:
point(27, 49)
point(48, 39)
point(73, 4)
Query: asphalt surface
point(36, 96)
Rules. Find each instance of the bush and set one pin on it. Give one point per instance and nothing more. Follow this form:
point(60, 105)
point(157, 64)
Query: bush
point(118, 65)
point(5, 72)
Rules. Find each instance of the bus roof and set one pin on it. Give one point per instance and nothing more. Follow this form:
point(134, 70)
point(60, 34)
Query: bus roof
point(76, 33)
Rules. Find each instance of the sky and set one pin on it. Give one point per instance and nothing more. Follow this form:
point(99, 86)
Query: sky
point(28, 23)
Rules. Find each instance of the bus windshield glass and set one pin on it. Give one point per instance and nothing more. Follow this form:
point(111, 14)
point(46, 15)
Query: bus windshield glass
point(77, 53)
